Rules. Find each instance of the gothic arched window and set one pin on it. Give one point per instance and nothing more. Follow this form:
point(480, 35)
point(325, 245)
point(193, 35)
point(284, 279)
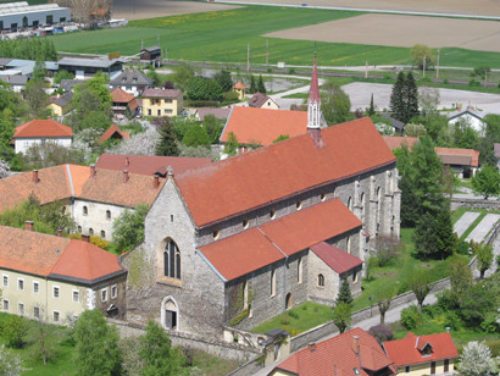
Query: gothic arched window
point(172, 260)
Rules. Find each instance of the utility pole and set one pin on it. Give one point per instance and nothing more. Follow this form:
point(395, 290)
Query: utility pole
point(437, 66)
point(423, 67)
point(366, 69)
point(267, 51)
point(248, 57)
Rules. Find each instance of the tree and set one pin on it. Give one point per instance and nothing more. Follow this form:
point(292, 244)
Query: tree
point(342, 316)
point(224, 80)
point(144, 143)
point(97, 351)
point(420, 53)
point(167, 144)
point(154, 77)
point(429, 101)
point(37, 99)
point(43, 346)
point(476, 360)
point(128, 228)
point(39, 156)
point(62, 75)
point(4, 169)
point(371, 109)
point(10, 364)
point(157, 353)
point(203, 89)
point(344, 295)
point(383, 299)
point(232, 145)
point(183, 74)
point(487, 181)
point(196, 136)
point(460, 276)
point(213, 127)
point(420, 284)
point(381, 333)
point(14, 331)
point(415, 130)
point(411, 96)
point(253, 86)
point(397, 101)
point(434, 234)
point(261, 88)
point(464, 135)
point(484, 254)
point(335, 103)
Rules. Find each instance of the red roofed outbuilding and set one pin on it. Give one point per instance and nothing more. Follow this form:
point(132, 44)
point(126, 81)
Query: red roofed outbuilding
point(114, 133)
point(423, 355)
point(36, 132)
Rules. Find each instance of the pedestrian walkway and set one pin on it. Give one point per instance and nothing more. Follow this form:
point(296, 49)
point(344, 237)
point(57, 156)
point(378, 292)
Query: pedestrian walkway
point(464, 222)
point(483, 228)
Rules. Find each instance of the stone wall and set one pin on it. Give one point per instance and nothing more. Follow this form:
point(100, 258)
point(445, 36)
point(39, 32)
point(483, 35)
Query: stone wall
point(474, 203)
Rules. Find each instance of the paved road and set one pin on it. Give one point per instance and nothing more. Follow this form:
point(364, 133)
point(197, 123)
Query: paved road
point(483, 228)
point(464, 222)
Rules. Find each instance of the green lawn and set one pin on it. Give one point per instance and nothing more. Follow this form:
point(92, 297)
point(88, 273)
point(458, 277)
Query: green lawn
point(224, 36)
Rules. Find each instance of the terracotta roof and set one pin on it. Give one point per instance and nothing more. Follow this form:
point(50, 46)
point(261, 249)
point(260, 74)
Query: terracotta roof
point(395, 142)
point(66, 181)
point(219, 113)
point(55, 257)
point(43, 128)
point(464, 157)
point(239, 85)
point(252, 249)
point(262, 126)
point(405, 351)
point(120, 96)
point(162, 93)
point(268, 174)
point(114, 131)
point(149, 165)
point(337, 259)
point(257, 100)
point(337, 355)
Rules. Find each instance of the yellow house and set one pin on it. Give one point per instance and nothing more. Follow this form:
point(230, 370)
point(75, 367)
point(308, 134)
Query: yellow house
point(161, 102)
point(239, 88)
point(60, 105)
point(54, 279)
point(432, 354)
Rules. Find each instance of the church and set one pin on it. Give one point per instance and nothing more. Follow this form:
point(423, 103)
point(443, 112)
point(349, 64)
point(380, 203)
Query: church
point(239, 241)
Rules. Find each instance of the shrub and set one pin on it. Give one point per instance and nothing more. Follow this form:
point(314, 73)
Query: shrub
point(285, 321)
point(14, 330)
point(410, 317)
point(452, 320)
point(293, 315)
point(381, 332)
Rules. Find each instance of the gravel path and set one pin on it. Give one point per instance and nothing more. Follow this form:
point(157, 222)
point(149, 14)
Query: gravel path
point(482, 229)
point(464, 222)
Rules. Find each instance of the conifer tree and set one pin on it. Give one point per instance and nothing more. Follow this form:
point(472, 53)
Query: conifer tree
point(397, 103)
point(344, 295)
point(411, 97)
point(371, 109)
point(261, 88)
point(253, 86)
point(167, 145)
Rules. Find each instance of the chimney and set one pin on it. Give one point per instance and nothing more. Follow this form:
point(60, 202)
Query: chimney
point(311, 346)
point(28, 225)
point(355, 345)
point(86, 238)
point(92, 170)
point(125, 176)
point(170, 171)
point(36, 179)
point(59, 231)
point(156, 181)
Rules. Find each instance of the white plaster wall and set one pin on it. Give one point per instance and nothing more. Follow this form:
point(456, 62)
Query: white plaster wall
point(96, 217)
point(23, 144)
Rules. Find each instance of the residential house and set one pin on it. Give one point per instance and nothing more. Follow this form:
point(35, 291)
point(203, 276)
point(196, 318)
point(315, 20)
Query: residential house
point(259, 100)
point(239, 88)
point(55, 279)
point(41, 132)
point(471, 117)
point(257, 126)
point(220, 113)
point(60, 105)
point(432, 354)
point(114, 133)
point(17, 81)
point(244, 239)
point(162, 102)
point(151, 55)
point(132, 81)
point(354, 352)
point(124, 105)
point(84, 67)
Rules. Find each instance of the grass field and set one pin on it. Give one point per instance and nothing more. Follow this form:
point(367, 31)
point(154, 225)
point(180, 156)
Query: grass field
point(224, 36)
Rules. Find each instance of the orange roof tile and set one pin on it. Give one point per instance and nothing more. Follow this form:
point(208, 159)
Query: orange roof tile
point(268, 174)
point(121, 96)
point(239, 85)
point(111, 132)
point(252, 249)
point(43, 128)
point(262, 126)
point(337, 355)
point(55, 257)
point(467, 157)
point(337, 259)
point(406, 351)
point(395, 142)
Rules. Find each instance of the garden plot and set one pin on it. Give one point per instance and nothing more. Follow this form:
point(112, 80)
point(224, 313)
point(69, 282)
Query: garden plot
point(483, 228)
point(465, 222)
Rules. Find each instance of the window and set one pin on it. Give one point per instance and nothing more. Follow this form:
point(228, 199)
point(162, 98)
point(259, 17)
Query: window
point(80, 229)
point(76, 296)
point(349, 203)
point(149, 112)
point(407, 369)
point(108, 214)
point(114, 292)
point(348, 244)
point(85, 210)
point(298, 205)
point(49, 20)
point(36, 312)
point(159, 112)
point(446, 365)
point(300, 271)
point(5, 281)
point(272, 214)
point(273, 283)
point(322, 197)
point(245, 224)
point(433, 368)
point(103, 234)
point(91, 231)
point(20, 284)
point(363, 207)
point(215, 234)
point(62, 19)
point(55, 292)
point(321, 280)
point(36, 287)
point(171, 217)
point(55, 316)
point(172, 260)
point(245, 295)
point(20, 309)
point(355, 277)
point(104, 295)
point(5, 305)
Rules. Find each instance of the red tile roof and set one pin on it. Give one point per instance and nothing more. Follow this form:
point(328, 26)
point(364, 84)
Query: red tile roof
point(255, 248)
point(57, 257)
point(149, 165)
point(262, 126)
point(405, 351)
point(337, 259)
point(337, 356)
point(121, 96)
point(268, 174)
point(257, 100)
point(112, 132)
point(43, 129)
point(239, 85)
point(395, 142)
point(453, 156)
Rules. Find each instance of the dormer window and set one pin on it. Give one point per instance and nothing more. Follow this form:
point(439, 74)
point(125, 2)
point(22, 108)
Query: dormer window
point(215, 234)
point(322, 197)
point(245, 224)
point(298, 205)
point(272, 214)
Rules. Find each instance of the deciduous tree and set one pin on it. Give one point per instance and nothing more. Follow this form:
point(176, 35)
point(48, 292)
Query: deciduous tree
point(487, 181)
point(421, 286)
point(421, 53)
point(128, 228)
point(476, 360)
point(10, 364)
point(485, 255)
point(335, 104)
point(342, 316)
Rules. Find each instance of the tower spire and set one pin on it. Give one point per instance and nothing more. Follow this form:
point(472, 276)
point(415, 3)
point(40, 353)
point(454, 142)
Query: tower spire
point(314, 117)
